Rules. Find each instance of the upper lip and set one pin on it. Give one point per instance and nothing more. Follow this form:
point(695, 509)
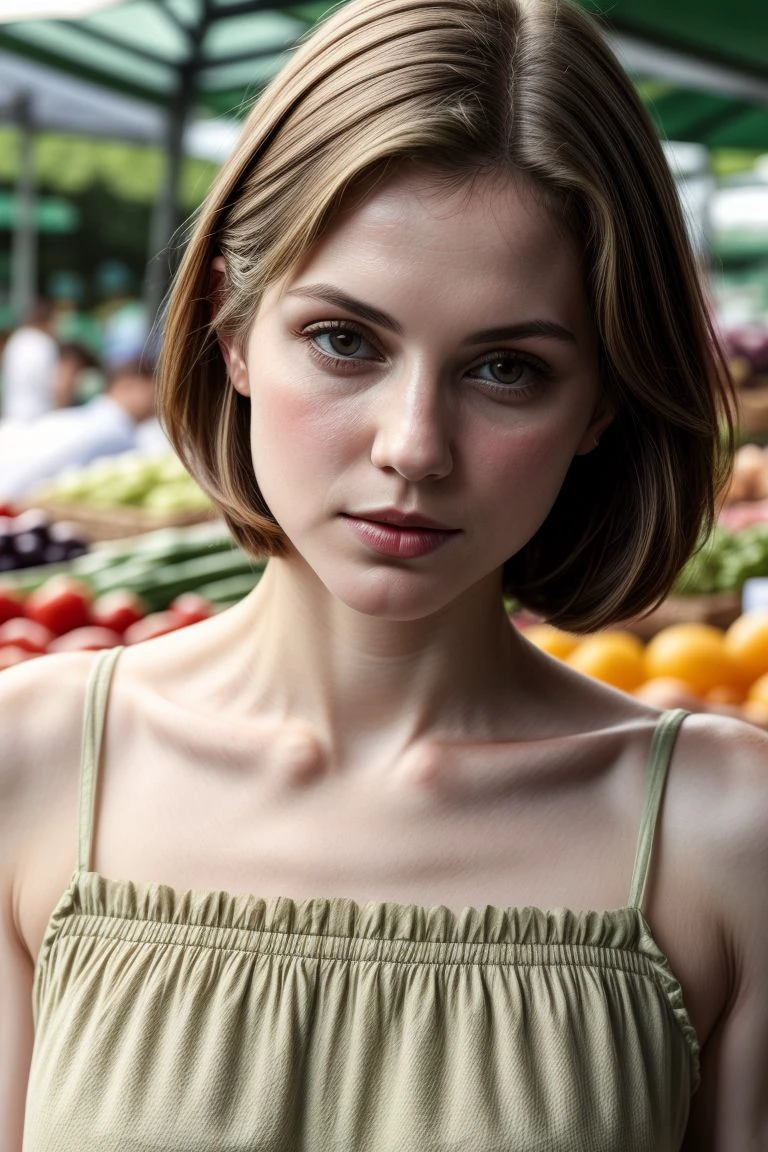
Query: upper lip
point(401, 519)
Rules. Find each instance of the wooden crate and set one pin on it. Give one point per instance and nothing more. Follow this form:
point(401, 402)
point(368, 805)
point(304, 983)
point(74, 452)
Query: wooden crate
point(118, 522)
point(719, 609)
point(752, 409)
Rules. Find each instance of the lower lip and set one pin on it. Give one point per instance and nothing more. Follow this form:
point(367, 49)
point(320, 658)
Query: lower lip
point(404, 543)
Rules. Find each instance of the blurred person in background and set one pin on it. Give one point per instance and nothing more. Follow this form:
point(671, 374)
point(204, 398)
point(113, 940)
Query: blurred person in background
point(72, 324)
point(76, 369)
point(106, 426)
point(28, 369)
point(123, 317)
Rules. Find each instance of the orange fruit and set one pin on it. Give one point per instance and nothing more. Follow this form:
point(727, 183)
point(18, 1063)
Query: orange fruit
point(695, 653)
point(725, 694)
point(755, 712)
point(758, 693)
point(747, 643)
point(551, 639)
point(665, 692)
point(615, 657)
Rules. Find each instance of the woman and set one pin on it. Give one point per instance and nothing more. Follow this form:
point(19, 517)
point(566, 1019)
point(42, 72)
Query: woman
point(363, 869)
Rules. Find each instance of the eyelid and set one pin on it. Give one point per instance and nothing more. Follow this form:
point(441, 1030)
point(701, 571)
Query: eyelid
point(318, 327)
point(533, 362)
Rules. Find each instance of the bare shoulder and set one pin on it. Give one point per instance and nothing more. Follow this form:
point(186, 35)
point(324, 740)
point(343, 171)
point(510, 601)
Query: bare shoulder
point(723, 764)
point(41, 709)
point(718, 797)
point(41, 705)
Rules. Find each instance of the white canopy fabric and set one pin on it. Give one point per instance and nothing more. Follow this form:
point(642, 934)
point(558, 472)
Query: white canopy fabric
point(44, 9)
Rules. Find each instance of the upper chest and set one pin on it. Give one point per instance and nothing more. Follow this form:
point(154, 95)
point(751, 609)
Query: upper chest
point(258, 809)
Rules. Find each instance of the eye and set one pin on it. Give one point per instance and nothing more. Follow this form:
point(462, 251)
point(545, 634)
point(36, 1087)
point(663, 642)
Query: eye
point(340, 341)
point(510, 373)
point(505, 369)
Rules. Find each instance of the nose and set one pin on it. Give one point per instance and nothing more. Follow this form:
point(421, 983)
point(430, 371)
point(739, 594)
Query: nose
point(413, 427)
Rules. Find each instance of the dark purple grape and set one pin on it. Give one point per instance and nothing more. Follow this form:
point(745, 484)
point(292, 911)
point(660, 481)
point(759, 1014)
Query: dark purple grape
point(31, 520)
point(29, 548)
point(54, 553)
point(65, 532)
point(6, 535)
point(74, 548)
point(29, 535)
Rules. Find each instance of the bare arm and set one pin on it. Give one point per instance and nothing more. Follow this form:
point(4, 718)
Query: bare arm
point(15, 1027)
point(39, 719)
point(729, 1113)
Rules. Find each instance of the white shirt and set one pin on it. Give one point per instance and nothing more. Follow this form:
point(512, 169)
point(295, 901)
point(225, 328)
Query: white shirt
point(33, 453)
point(29, 366)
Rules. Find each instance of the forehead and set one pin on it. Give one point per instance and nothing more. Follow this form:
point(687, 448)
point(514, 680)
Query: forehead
point(488, 239)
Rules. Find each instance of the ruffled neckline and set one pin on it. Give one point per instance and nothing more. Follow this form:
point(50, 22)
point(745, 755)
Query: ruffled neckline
point(624, 930)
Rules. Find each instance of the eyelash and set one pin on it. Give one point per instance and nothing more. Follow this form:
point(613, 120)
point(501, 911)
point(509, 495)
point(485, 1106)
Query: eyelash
point(541, 370)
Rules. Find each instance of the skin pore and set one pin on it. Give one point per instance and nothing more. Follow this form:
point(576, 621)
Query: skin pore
point(435, 354)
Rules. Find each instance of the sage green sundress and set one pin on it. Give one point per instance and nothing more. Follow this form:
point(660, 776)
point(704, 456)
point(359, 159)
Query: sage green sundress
point(201, 1021)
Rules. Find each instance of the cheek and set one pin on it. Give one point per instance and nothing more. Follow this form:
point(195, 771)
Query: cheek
point(534, 461)
point(289, 424)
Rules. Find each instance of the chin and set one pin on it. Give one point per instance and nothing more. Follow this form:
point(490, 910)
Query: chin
point(392, 594)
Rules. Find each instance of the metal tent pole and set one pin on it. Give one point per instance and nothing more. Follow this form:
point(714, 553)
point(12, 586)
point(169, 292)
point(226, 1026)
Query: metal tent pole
point(24, 237)
point(166, 215)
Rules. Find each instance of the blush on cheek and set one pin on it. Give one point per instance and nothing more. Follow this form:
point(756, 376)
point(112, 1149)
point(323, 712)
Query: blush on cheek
point(290, 425)
point(532, 464)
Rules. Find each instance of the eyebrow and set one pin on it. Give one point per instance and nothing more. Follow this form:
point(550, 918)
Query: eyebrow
point(327, 294)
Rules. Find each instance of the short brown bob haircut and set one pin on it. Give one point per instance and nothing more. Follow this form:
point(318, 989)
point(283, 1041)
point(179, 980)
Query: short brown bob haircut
point(468, 86)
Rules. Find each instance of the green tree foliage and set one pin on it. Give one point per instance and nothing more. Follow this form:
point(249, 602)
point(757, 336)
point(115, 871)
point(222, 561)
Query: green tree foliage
point(68, 164)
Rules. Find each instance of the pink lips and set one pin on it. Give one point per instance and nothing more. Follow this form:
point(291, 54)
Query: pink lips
point(404, 535)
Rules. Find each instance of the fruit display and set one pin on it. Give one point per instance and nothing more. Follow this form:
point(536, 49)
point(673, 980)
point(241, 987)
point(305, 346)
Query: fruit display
point(749, 481)
point(123, 594)
point(123, 496)
point(132, 479)
point(691, 665)
point(32, 538)
point(155, 569)
point(63, 616)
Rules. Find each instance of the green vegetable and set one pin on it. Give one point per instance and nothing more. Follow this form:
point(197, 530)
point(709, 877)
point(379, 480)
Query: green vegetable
point(230, 590)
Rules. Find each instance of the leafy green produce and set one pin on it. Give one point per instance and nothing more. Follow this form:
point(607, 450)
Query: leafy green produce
point(725, 561)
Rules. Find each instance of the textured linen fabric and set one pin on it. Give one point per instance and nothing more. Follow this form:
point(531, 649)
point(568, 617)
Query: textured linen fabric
point(207, 1022)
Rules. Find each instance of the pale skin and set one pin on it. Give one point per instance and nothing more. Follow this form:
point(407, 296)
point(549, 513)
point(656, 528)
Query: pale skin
point(370, 727)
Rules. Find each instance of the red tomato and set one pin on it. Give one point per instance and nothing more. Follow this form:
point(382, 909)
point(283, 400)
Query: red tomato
point(192, 608)
point(27, 634)
point(118, 610)
point(11, 606)
point(88, 639)
point(61, 604)
point(156, 624)
point(13, 654)
point(7, 509)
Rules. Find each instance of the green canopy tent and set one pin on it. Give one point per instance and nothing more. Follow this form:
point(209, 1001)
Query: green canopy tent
point(52, 214)
point(711, 59)
point(182, 56)
point(701, 65)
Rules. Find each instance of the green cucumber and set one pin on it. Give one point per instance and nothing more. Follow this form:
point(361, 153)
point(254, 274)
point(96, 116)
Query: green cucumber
point(230, 590)
point(159, 586)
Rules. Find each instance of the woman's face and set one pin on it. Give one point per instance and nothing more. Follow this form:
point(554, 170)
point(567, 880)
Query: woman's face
point(433, 361)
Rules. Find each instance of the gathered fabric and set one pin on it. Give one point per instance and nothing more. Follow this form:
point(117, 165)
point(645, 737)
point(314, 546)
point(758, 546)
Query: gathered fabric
point(201, 1021)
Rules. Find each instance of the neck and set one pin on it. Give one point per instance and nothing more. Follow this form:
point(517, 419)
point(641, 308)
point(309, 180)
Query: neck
point(372, 688)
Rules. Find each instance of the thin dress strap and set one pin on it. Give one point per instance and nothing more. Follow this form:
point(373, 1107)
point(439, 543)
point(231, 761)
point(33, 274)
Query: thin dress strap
point(96, 693)
point(660, 754)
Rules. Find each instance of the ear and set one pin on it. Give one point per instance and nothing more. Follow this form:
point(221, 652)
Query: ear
point(602, 418)
point(233, 358)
